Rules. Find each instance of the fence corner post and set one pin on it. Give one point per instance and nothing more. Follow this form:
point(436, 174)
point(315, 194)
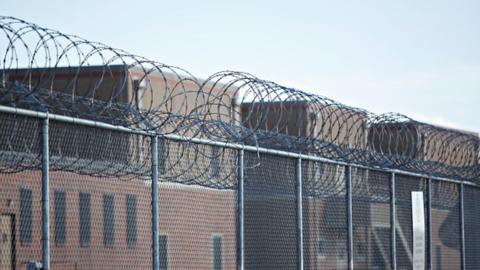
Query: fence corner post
point(45, 196)
point(154, 186)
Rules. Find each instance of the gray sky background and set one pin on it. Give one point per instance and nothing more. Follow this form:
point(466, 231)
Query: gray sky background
point(419, 58)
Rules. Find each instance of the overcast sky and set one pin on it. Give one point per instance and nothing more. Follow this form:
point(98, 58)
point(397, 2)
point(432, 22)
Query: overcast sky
point(419, 58)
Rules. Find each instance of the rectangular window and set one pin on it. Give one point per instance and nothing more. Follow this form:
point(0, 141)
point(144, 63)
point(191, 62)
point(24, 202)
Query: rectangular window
point(163, 245)
point(60, 217)
point(131, 220)
point(108, 220)
point(25, 216)
point(217, 253)
point(85, 225)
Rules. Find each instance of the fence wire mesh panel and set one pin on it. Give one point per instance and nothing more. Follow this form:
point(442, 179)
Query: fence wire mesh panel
point(20, 191)
point(270, 212)
point(404, 186)
point(197, 206)
point(324, 216)
point(371, 219)
point(100, 206)
point(20, 143)
point(446, 240)
point(472, 223)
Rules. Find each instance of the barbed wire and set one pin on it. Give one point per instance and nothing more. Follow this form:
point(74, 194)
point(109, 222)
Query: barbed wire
point(46, 70)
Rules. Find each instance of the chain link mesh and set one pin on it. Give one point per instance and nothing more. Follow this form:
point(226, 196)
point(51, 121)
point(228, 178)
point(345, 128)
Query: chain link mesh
point(270, 212)
point(324, 216)
point(100, 205)
point(371, 219)
point(20, 143)
point(20, 191)
point(404, 185)
point(472, 223)
point(197, 206)
point(100, 199)
point(446, 240)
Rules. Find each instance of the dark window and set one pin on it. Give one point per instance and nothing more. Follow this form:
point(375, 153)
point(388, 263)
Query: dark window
point(60, 217)
point(217, 253)
point(163, 245)
point(25, 216)
point(131, 220)
point(108, 220)
point(85, 226)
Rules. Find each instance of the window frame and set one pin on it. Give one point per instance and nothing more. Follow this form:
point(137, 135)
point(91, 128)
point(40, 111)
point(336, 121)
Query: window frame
point(131, 220)
point(108, 220)
point(216, 236)
point(85, 226)
point(160, 266)
point(60, 233)
point(26, 212)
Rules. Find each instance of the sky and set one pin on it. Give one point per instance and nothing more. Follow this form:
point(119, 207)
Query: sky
point(418, 58)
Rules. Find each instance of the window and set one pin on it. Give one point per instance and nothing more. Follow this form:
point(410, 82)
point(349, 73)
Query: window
point(25, 216)
point(85, 226)
point(217, 253)
point(163, 245)
point(131, 220)
point(108, 220)
point(60, 217)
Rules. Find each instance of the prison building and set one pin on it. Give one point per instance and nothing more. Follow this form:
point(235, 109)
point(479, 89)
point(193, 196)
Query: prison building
point(421, 142)
point(330, 123)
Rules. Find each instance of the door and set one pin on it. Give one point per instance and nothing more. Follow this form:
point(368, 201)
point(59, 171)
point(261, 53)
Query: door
point(6, 242)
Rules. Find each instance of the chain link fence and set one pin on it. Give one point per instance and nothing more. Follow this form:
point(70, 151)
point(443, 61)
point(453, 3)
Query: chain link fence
point(100, 206)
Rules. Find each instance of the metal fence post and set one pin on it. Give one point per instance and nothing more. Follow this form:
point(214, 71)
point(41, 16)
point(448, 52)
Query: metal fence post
point(45, 197)
point(299, 196)
point(429, 217)
point(240, 213)
point(393, 220)
point(350, 217)
point(462, 224)
point(155, 240)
